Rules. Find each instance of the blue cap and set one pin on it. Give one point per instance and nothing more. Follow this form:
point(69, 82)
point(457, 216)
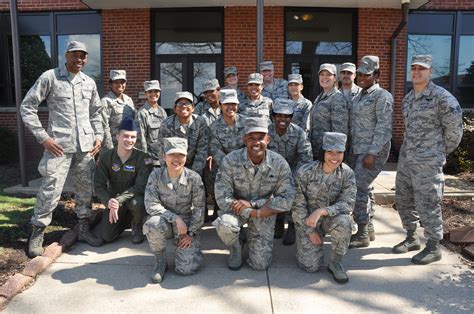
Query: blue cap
point(128, 124)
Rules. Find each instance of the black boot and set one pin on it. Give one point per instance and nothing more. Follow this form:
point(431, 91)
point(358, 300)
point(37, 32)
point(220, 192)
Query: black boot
point(361, 238)
point(279, 226)
point(371, 230)
point(431, 253)
point(36, 242)
point(137, 233)
point(411, 243)
point(85, 235)
point(290, 234)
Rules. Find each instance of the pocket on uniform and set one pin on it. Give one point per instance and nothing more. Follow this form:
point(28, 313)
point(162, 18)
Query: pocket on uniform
point(61, 134)
point(87, 93)
point(88, 130)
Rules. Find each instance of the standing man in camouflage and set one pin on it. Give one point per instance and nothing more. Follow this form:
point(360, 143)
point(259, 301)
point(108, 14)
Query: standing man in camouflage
point(347, 75)
point(256, 105)
point(301, 106)
point(433, 129)
point(72, 139)
point(272, 88)
point(290, 141)
point(231, 79)
point(371, 131)
point(117, 106)
point(119, 182)
point(252, 186)
point(325, 196)
point(175, 203)
point(209, 109)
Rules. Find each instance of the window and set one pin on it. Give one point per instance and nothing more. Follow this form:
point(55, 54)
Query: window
point(449, 38)
point(43, 41)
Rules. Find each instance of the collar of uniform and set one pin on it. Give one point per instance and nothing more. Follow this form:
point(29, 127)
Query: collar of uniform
point(300, 99)
point(117, 158)
point(239, 121)
point(249, 164)
point(328, 94)
point(183, 178)
point(372, 88)
point(211, 111)
point(177, 124)
point(355, 88)
point(63, 72)
point(429, 89)
point(272, 130)
point(149, 108)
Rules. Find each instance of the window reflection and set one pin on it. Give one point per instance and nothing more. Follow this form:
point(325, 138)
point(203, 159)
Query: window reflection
point(92, 42)
point(171, 75)
point(466, 60)
point(439, 46)
point(202, 71)
point(334, 48)
point(164, 48)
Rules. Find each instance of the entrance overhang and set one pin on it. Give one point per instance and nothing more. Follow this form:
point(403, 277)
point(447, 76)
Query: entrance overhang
point(140, 4)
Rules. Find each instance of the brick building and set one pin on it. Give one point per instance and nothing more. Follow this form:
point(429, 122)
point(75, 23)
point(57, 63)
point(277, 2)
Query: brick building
point(182, 45)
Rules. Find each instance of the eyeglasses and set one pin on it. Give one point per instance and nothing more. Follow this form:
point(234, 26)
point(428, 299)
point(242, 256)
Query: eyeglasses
point(184, 103)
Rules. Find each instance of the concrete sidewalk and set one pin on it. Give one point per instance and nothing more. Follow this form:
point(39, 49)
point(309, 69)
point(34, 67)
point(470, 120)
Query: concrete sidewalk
point(115, 278)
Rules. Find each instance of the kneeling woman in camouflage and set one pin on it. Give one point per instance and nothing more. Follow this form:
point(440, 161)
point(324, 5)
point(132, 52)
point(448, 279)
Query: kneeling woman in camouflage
point(175, 202)
point(325, 197)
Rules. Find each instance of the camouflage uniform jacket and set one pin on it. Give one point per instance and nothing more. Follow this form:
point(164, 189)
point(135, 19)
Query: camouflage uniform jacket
point(240, 94)
point(225, 139)
point(301, 110)
point(371, 120)
point(279, 89)
point(237, 179)
point(256, 108)
point(353, 93)
point(433, 125)
point(115, 110)
point(329, 114)
point(205, 110)
point(293, 145)
point(75, 120)
point(186, 199)
point(197, 134)
point(336, 192)
point(123, 181)
point(149, 122)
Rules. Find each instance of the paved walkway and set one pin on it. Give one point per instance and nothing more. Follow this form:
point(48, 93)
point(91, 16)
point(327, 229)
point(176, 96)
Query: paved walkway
point(115, 278)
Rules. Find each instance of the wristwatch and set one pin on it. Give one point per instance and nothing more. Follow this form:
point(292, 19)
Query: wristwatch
point(254, 204)
point(191, 234)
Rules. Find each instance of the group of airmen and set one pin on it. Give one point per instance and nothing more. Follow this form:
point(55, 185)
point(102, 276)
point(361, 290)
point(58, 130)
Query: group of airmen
point(263, 157)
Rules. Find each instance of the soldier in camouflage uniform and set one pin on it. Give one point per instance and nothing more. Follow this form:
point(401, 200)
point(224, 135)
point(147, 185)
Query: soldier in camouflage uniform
point(272, 88)
point(117, 106)
point(119, 182)
point(209, 109)
point(371, 131)
point(301, 106)
point(330, 110)
point(433, 129)
point(347, 75)
point(231, 79)
point(175, 203)
point(72, 139)
point(288, 140)
point(252, 186)
point(150, 119)
point(256, 105)
point(189, 126)
point(325, 196)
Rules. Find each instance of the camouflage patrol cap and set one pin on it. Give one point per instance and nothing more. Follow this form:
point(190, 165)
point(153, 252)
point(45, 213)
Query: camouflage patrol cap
point(368, 64)
point(266, 65)
point(282, 106)
point(348, 66)
point(185, 95)
point(253, 124)
point(175, 145)
point(230, 70)
point(331, 68)
point(229, 96)
point(334, 141)
point(152, 85)
point(118, 75)
point(76, 46)
point(423, 60)
point(255, 78)
point(295, 78)
point(210, 85)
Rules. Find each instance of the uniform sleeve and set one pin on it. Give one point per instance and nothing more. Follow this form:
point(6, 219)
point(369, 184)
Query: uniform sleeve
point(163, 133)
point(153, 204)
point(346, 200)
point(305, 153)
point(198, 205)
point(383, 126)
point(216, 149)
point(339, 114)
point(105, 124)
point(29, 106)
point(95, 115)
point(101, 178)
point(200, 159)
point(141, 132)
point(224, 186)
point(451, 121)
point(140, 183)
point(305, 122)
point(299, 210)
point(284, 192)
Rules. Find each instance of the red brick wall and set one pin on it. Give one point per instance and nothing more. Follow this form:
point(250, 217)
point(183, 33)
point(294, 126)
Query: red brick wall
point(376, 26)
point(44, 5)
point(126, 38)
point(240, 39)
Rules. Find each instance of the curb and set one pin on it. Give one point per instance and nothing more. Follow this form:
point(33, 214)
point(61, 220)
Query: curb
point(22, 281)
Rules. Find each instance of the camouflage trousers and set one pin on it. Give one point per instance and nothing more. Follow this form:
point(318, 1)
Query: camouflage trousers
point(309, 256)
point(418, 196)
point(259, 236)
point(158, 231)
point(209, 178)
point(132, 211)
point(55, 171)
point(364, 180)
